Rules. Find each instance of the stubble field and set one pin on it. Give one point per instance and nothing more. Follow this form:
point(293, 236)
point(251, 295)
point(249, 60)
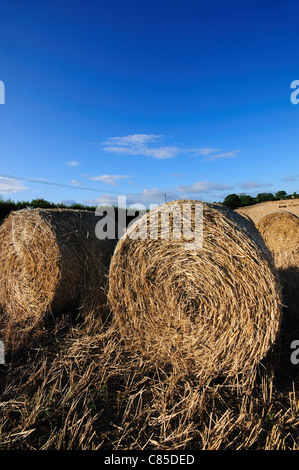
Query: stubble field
point(74, 384)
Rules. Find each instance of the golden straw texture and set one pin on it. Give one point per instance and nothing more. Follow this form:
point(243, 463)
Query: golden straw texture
point(280, 231)
point(51, 261)
point(213, 311)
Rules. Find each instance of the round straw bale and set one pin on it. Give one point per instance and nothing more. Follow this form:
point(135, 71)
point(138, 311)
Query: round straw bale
point(211, 308)
point(280, 231)
point(51, 260)
point(246, 216)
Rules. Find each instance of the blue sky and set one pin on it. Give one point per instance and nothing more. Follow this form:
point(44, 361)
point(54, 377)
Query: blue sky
point(145, 97)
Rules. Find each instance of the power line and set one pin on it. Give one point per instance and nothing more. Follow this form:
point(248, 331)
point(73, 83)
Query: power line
point(61, 185)
point(50, 183)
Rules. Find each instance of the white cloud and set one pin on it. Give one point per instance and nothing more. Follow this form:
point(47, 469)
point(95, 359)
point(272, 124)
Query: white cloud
point(163, 153)
point(133, 140)
point(202, 151)
point(72, 163)
point(210, 157)
point(141, 144)
point(146, 197)
point(149, 145)
point(75, 183)
point(156, 196)
point(253, 185)
point(68, 202)
point(109, 179)
point(211, 154)
point(200, 187)
point(291, 178)
point(177, 175)
point(8, 185)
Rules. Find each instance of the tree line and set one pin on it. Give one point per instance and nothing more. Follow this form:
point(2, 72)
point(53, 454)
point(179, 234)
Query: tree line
point(6, 206)
point(233, 201)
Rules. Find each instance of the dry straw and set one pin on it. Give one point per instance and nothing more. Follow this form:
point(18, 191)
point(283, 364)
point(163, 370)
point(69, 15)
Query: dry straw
point(213, 311)
point(280, 231)
point(51, 261)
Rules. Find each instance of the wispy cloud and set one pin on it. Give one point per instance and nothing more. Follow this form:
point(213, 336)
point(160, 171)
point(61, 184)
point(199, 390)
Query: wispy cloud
point(75, 183)
point(176, 175)
point(151, 145)
point(202, 151)
point(149, 196)
point(202, 187)
point(68, 202)
point(8, 185)
point(253, 185)
point(157, 196)
point(134, 140)
point(291, 178)
point(110, 179)
point(211, 156)
point(146, 197)
point(72, 163)
point(141, 144)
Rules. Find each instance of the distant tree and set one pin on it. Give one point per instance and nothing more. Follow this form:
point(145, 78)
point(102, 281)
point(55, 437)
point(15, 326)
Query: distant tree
point(232, 201)
point(246, 200)
point(263, 197)
point(280, 194)
point(77, 205)
point(42, 203)
point(6, 207)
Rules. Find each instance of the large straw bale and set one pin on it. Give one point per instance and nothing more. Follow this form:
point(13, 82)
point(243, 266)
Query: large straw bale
point(51, 261)
point(213, 311)
point(280, 231)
